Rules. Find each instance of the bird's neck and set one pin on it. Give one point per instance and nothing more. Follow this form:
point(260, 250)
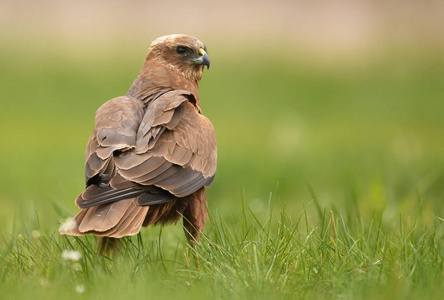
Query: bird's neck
point(157, 78)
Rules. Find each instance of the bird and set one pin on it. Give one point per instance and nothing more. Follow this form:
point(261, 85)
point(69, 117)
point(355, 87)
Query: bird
point(152, 152)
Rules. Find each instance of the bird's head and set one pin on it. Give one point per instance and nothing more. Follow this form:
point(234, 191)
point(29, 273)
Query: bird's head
point(184, 53)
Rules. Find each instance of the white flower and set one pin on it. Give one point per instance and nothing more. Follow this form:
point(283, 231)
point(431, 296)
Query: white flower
point(35, 234)
point(80, 288)
point(44, 282)
point(76, 266)
point(68, 225)
point(71, 255)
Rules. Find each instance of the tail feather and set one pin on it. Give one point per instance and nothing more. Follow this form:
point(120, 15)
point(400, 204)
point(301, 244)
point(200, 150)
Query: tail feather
point(121, 224)
point(71, 227)
point(104, 217)
point(115, 220)
point(135, 224)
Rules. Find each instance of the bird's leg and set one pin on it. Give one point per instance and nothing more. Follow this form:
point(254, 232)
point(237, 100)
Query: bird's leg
point(194, 218)
point(109, 246)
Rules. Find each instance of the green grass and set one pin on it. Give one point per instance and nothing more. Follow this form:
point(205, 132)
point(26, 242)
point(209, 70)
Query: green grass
point(279, 257)
point(351, 149)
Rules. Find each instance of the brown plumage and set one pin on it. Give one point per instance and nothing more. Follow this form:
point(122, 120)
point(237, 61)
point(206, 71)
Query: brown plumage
point(151, 153)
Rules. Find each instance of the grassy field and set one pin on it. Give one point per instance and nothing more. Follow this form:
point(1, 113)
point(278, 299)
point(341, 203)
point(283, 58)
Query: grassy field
point(329, 182)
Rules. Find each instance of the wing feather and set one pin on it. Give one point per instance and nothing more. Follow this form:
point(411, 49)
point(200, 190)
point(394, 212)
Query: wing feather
point(134, 160)
point(173, 131)
point(116, 127)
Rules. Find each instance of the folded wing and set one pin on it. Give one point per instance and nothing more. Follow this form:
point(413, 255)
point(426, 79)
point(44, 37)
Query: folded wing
point(175, 148)
point(167, 152)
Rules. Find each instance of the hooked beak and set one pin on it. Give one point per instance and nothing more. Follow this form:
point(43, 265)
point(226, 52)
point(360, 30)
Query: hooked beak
point(203, 59)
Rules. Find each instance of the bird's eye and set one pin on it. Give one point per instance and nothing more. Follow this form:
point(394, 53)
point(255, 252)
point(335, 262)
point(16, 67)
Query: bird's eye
point(182, 49)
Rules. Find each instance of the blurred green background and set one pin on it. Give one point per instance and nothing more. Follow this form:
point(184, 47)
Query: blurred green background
point(346, 100)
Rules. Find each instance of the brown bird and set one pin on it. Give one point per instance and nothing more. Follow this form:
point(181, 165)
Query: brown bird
point(152, 152)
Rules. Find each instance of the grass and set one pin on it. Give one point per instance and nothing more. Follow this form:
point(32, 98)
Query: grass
point(279, 257)
point(355, 145)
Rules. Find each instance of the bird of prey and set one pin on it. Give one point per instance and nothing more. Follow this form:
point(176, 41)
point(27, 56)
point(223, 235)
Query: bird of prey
point(152, 152)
